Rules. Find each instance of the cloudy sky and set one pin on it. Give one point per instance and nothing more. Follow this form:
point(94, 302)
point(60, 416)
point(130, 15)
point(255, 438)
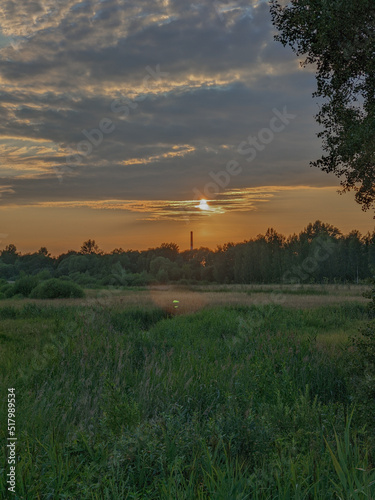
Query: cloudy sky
point(118, 116)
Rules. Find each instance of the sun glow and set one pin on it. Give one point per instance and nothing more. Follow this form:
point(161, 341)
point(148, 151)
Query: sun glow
point(203, 205)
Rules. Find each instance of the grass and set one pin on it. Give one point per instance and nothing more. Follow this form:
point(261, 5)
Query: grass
point(235, 402)
point(196, 298)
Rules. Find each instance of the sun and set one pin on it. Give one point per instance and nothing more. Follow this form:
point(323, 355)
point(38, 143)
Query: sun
point(203, 205)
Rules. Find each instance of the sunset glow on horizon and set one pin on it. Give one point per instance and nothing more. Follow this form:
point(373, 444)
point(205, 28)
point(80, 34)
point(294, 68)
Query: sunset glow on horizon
point(134, 124)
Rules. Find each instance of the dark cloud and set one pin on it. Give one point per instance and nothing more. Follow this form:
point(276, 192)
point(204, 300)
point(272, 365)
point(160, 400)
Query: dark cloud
point(68, 62)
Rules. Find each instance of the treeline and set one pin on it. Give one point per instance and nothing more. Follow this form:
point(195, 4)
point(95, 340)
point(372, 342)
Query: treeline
point(318, 254)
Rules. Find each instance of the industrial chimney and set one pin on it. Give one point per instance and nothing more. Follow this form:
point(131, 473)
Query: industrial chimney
point(191, 240)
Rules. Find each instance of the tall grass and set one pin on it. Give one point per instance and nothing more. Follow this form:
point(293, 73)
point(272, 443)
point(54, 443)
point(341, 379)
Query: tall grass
point(230, 403)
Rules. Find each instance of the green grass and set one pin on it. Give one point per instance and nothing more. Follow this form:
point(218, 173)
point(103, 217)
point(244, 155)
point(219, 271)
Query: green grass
point(227, 403)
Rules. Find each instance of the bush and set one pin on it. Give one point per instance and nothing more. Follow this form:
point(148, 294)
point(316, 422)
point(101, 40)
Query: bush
point(65, 278)
point(138, 279)
point(162, 276)
point(5, 286)
point(56, 289)
point(9, 291)
point(25, 285)
point(83, 279)
point(44, 275)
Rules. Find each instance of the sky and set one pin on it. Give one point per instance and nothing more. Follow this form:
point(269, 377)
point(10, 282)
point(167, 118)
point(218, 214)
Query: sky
point(119, 116)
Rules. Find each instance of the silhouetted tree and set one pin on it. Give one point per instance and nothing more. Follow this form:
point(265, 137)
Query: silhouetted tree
point(90, 247)
point(44, 251)
point(269, 258)
point(338, 38)
point(9, 254)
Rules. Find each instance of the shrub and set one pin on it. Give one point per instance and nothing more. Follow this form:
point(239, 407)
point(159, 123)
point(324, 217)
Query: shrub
point(25, 285)
point(5, 286)
point(44, 275)
point(65, 278)
point(9, 291)
point(83, 279)
point(138, 279)
point(55, 289)
point(162, 276)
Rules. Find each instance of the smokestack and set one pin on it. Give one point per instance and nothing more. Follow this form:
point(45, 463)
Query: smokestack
point(191, 240)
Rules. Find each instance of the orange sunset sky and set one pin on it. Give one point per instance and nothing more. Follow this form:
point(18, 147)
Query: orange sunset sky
point(118, 117)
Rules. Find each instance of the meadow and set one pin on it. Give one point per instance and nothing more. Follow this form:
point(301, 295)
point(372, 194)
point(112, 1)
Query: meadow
point(239, 392)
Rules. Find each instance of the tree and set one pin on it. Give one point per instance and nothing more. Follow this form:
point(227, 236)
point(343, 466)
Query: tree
point(355, 255)
point(224, 263)
point(89, 247)
point(275, 243)
point(159, 263)
point(319, 228)
point(44, 251)
point(168, 250)
point(9, 254)
point(338, 36)
point(117, 251)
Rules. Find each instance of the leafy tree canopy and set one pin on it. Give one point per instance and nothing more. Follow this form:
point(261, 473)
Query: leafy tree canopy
point(338, 37)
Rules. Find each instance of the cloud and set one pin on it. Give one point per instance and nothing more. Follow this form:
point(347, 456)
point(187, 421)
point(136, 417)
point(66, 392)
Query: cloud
point(231, 200)
point(64, 63)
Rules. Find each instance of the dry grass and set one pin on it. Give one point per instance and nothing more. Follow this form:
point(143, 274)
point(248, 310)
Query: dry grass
point(194, 298)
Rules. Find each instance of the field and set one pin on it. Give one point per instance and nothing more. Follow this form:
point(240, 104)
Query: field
point(194, 298)
point(233, 392)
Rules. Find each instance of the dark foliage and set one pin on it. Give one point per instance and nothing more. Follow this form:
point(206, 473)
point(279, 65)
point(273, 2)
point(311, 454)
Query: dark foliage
point(338, 38)
point(318, 254)
point(56, 289)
